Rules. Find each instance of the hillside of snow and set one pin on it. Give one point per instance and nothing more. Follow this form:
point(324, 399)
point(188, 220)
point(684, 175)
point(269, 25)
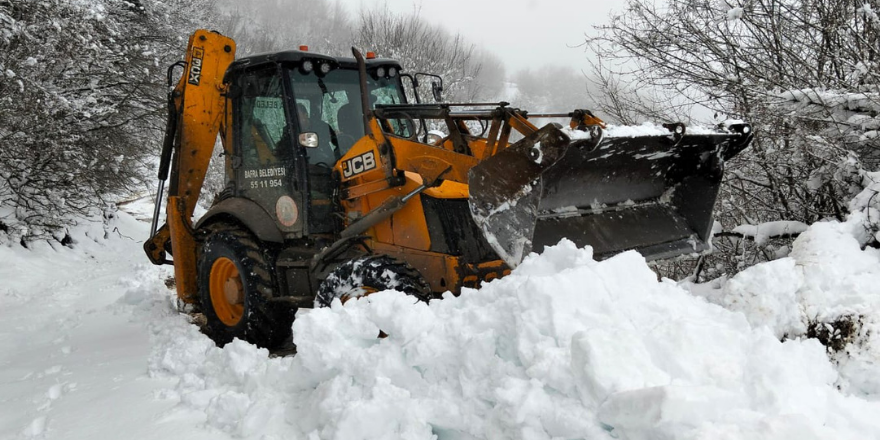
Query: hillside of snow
point(565, 347)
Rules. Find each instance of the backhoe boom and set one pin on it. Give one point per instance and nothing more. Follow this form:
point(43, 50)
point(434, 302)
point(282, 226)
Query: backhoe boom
point(196, 112)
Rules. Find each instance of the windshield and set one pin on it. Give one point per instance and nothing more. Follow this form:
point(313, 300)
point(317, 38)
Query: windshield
point(329, 105)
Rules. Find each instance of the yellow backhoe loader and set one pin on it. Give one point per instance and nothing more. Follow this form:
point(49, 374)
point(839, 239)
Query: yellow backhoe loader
point(334, 189)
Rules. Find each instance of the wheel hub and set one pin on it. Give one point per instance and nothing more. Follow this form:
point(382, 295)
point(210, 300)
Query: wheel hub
point(227, 291)
point(234, 291)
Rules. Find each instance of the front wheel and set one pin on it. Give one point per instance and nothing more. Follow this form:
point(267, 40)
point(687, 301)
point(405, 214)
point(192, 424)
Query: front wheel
point(373, 273)
point(235, 285)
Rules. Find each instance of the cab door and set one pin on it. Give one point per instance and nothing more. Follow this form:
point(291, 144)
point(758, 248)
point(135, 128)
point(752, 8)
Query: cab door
point(265, 163)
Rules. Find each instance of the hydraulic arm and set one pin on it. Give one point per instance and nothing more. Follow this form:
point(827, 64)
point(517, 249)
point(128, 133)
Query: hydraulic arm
point(196, 112)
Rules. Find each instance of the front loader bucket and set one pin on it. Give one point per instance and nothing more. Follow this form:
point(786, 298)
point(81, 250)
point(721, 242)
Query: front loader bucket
point(650, 193)
point(505, 191)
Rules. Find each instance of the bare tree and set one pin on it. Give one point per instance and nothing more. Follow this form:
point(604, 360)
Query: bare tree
point(620, 98)
point(730, 56)
point(423, 47)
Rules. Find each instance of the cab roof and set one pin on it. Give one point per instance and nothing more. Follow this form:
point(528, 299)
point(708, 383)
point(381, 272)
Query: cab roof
point(255, 62)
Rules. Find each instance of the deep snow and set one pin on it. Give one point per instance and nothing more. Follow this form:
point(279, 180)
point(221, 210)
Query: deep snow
point(74, 342)
point(565, 347)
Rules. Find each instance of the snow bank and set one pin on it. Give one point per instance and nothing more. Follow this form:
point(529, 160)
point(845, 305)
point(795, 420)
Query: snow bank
point(826, 277)
point(564, 347)
point(73, 346)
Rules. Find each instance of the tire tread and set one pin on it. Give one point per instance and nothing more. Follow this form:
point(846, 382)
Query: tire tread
point(263, 325)
point(371, 269)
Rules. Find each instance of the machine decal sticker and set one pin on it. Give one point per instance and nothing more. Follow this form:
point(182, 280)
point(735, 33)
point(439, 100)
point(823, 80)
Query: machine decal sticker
point(265, 177)
point(195, 69)
point(286, 211)
point(359, 164)
point(265, 172)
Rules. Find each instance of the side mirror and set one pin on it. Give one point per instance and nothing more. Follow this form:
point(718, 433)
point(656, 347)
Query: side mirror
point(436, 90)
point(308, 140)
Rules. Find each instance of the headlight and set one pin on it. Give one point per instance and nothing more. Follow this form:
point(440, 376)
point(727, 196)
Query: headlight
point(392, 72)
point(380, 72)
point(308, 140)
point(307, 66)
point(435, 136)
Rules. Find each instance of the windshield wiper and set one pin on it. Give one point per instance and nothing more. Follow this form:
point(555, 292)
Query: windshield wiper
point(325, 91)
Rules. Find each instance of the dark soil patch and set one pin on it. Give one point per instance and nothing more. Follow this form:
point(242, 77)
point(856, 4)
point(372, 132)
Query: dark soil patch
point(837, 334)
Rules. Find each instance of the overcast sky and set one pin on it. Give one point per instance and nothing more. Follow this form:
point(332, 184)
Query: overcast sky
point(522, 33)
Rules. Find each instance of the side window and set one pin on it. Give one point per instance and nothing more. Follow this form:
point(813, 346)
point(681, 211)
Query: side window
point(269, 113)
point(263, 125)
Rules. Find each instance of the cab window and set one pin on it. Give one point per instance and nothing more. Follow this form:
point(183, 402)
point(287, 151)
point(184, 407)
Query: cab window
point(332, 102)
point(263, 125)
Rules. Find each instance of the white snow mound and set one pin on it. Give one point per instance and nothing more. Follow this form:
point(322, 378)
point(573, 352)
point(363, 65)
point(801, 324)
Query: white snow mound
point(826, 277)
point(564, 347)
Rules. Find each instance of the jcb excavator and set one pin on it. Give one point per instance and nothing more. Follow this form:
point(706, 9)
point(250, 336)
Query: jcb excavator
point(335, 191)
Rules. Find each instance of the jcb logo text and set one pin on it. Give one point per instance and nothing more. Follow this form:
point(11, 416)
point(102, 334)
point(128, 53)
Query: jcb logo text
point(359, 164)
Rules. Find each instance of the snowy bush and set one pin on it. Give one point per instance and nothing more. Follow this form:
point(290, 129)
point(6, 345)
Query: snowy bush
point(81, 106)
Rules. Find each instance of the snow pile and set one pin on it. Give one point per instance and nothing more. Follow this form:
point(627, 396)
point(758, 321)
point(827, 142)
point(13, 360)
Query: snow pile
point(564, 347)
point(827, 278)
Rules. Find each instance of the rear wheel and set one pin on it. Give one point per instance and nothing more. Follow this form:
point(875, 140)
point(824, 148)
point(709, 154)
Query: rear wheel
point(235, 286)
point(369, 274)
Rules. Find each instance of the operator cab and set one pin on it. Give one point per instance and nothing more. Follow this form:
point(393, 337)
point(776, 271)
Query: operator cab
point(296, 114)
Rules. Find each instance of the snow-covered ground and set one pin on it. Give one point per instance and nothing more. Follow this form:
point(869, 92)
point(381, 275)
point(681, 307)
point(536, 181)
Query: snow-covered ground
point(565, 347)
point(75, 339)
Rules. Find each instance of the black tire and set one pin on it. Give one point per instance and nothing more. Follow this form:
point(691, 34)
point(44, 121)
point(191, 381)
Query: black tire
point(230, 253)
point(371, 273)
